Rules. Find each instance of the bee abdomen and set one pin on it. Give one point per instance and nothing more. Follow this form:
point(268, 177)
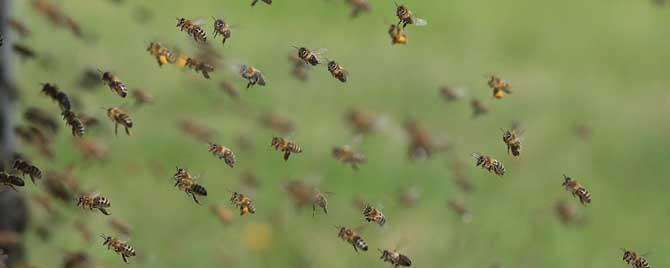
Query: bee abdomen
point(360, 243)
point(199, 190)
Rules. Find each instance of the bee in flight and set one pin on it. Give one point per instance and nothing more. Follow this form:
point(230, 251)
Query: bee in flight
point(222, 28)
point(320, 200)
point(230, 89)
point(577, 189)
point(567, 213)
point(75, 123)
point(634, 259)
point(55, 94)
point(398, 35)
point(337, 71)
point(358, 6)
point(372, 214)
point(285, 146)
point(489, 163)
point(459, 207)
point(222, 152)
point(94, 201)
point(142, 96)
point(162, 53)
point(405, 17)
point(243, 202)
point(512, 141)
point(499, 87)
point(351, 237)
point(24, 167)
point(450, 94)
point(478, 108)
point(395, 258)
point(361, 121)
point(199, 66)
point(41, 118)
point(120, 118)
point(193, 29)
point(11, 181)
point(348, 156)
point(253, 75)
point(114, 83)
point(77, 260)
point(120, 226)
point(253, 2)
point(299, 69)
point(277, 122)
point(311, 57)
point(120, 247)
point(224, 214)
point(185, 182)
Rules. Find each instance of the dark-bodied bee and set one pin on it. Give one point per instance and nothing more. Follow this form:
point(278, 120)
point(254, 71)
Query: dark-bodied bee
point(577, 190)
point(92, 148)
point(24, 168)
point(489, 163)
point(351, 237)
point(405, 17)
point(224, 214)
point(253, 75)
point(634, 259)
point(459, 207)
point(253, 2)
point(398, 35)
point(11, 181)
point(337, 71)
point(120, 118)
point(395, 258)
point(24, 51)
point(52, 91)
point(361, 121)
point(94, 201)
point(372, 214)
point(162, 53)
point(19, 27)
point(512, 141)
point(450, 94)
point(478, 108)
point(300, 193)
point(499, 87)
point(567, 213)
point(35, 137)
point(358, 6)
point(299, 69)
point(77, 260)
point(193, 29)
point(83, 230)
point(200, 132)
point(90, 79)
point(222, 152)
point(309, 56)
point(286, 146)
point(230, 89)
point(319, 200)
point(199, 66)
point(72, 120)
point(120, 247)
point(120, 226)
point(185, 182)
point(423, 144)
point(114, 84)
point(39, 117)
point(348, 156)
point(277, 122)
point(142, 96)
point(243, 202)
point(222, 28)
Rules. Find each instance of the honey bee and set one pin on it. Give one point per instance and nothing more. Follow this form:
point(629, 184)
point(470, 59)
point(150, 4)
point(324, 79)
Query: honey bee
point(222, 28)
point(253, 2)
point(634, 259)
point(358, 6)
point(199, 66)
point(11, 181)
point(512, 141)
point(499, 87)
point(567, 213)
point(39, 117)
point(319, 200)
point(243, 202)
point(24, 51)
point(478, 108)
point(490, 164)
point(361, 121)
point(114, 84)
point(277, 122)
point(185, 182)
point(408, 196)
point(72, 120)
point(120, 247)
point(92, 148)
point(372, 214)
point(395, 258)
point(89, 79)
point(450, 94)
point(405, 17)
point(56, 95)
point(24, 168)
point(230, 89)
point(309, 56)
point(348, 156)
point(162, 54)
point(56, 16)
point(577, 189)
point(253, 75)
point(83, 230)
point(120, 118)
point(19, 27)
point(398, 35)
point(45, 202)
point(459, 207)
point(583, 131)
point(94, 201)
point(200, 132)
point(300, 193)
point(142, 96)
point(193, 29)
point(337, 71)
point(36, 137)
point(222, 152)
point(422, 142)
point(224, 214)
point(120, 226)
point(285, 146)
point(77, 260)
point(351, 237)
point(299, 69)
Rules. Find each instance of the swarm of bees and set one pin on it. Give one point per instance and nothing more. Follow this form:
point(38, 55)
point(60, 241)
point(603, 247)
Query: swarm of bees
point(94, 201)
point(193, 29)
point(577, 190)
point(119, 246)
point(186, 182)
point(351, 237)
point(222, 152)
point(286, 146)
point(489, 163)
point(119, 117)
point(243, 203)
point(634, 259)
point(348, 156)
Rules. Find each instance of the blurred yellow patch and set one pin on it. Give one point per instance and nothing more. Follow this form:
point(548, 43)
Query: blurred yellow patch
point(181, 60)
point(259, 237)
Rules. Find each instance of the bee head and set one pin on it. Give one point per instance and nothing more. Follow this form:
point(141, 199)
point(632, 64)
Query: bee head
point(302, 52)
point(180, 21)
point(332, 64)
point(567, 180)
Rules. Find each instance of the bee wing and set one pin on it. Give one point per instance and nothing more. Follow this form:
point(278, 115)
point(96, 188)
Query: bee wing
point(420, 21)
point(320, 51)
point(199, 21)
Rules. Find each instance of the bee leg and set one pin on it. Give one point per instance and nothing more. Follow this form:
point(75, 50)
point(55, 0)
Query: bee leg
point(325, 210)
point(286, 155)
point(355, 249)
point(224, 41)
point(116, 129)
point(13, 188)
point(205, 74)
point(249, 84)
point(127, 131)
point(33, 180)
point(124, 258)
point(195, 199)
point(104, 211)
point(313, 209)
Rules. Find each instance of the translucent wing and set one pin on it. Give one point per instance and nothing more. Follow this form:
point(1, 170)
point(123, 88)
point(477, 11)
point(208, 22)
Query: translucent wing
point(199, 21)
point(420, 21)
point(320, 51)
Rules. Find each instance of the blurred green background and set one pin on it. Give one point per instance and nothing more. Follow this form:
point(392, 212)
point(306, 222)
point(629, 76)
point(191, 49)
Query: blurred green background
point(601, 64)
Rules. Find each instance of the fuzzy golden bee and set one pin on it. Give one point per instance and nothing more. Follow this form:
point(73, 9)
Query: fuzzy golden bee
point(348, 156)
point(193, 29)
point(253, 2)
point(398, 35)
point(577, 190)
point(41, 118)
point(634, 259)
point(320, 200)
point(351, 237)
point(337, 71)
point(11, 181)
point(24, 168)
point(512, 141)
point(222, 28)
point(310, 57)
point(286, 146)
point(162, 53)
point(52, 91)
point(489, 163)
point(499, 86)
point(120, 247)
point(114, 84)
point(185, 182)
point(358, 7)
point(395, 258)
point(372, 214)
point(243, 203)
point(252, 75)
point(119, 117)
point(222, 152)
point(76, 125)
point(199, 66)
point(94, 201)
point(405, 17)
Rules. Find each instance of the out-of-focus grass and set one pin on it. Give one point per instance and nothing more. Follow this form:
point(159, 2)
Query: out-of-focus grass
point(599, 63)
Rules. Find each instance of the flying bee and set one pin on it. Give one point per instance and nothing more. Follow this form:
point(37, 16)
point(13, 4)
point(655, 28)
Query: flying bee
point(120, 226)
point(83, 230)
point(277, 122)
point(372, 214)
point(19, 27)
point(224, 214)
point(120, 118)
point(142, 96)
point(162, 54)
point(90, 78)
point(193, 29)
point(72, 120)
point(351, 237)
point(358, 6)
point(114, 83)
point(348, 156)
point(319, 200)
point(200, 132)
point(423, 144)
point(398, 35)
point(185, 182)
point(253, 2)
point(253, 75)
point(222, 28)
point(634, 259)
point(489, 163)
point(92, 148)
point(39, 117)
point(24, 51)
point(459, 207)
point(361, 121)
point(77, 260)
point(26, 168)
point(499, 87)
point(409, 196)
point(478, 108)
point(120, 247)
point(222, 152)
point(286, 146)
point(300, 193)
point(395, 258)
point(230, 89)
point(11, 181)
point(405, 17)
point(52, 91)
point(299, 69)
point(199, 66)
point(309, 56)
point(577, 189)
point(243, 202)
point(450, 94)
point(567, 213)
point(512, 141)
point(36, 137)
point(337, 71)
point(94, 201)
